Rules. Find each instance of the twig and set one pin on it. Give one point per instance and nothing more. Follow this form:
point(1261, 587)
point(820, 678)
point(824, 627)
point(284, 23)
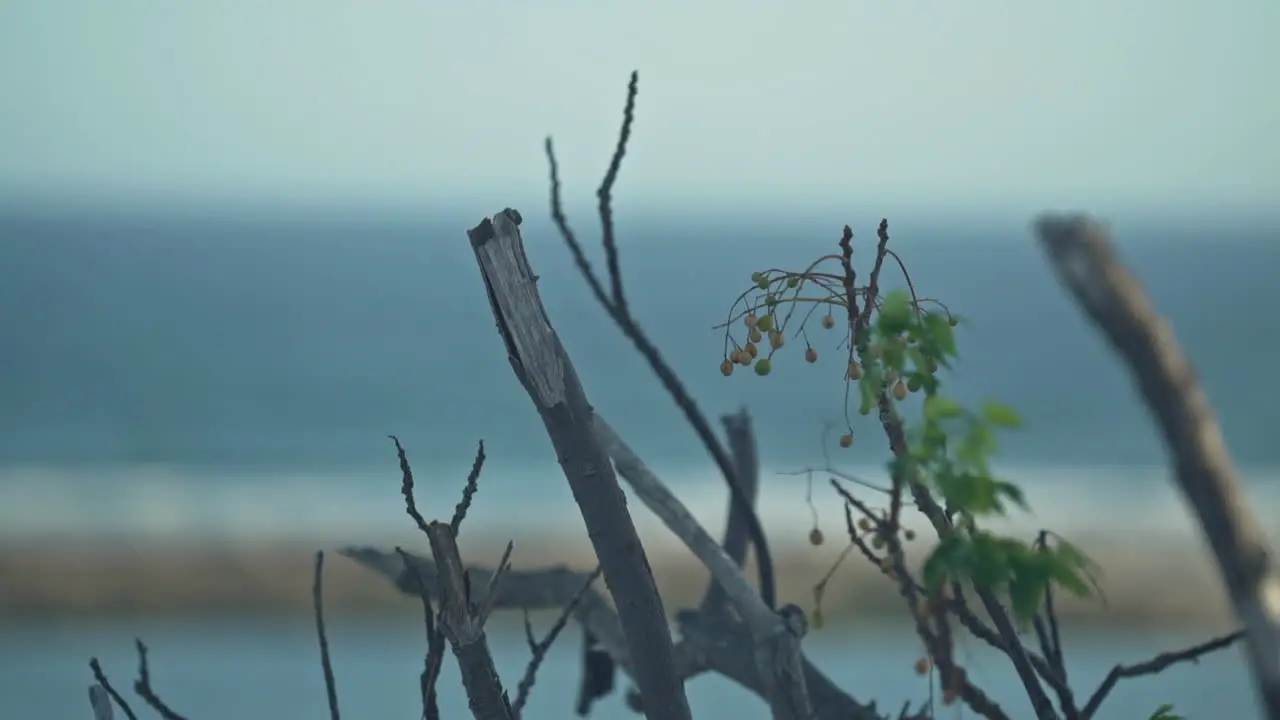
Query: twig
point(102, 681)
point(1155, 665)
point(317, 601)
point(468, 491)
point(406, 486)
point(622, 317)
point(142, 686)
point(433, 661)
point(539, 648)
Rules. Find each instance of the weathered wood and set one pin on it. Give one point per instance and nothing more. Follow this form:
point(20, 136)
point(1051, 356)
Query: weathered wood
point(544, 369)
point(100, 699)
point(746, 467)
point(1081, 253)
point(462, 619)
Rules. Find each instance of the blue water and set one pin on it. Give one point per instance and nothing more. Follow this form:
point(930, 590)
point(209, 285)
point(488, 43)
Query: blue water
point(218, 363)
point(250, 669)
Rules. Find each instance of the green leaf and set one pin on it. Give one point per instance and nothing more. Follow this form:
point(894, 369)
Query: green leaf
point(946, 562)
point(895, 314)
point(1165, 712)
point(1001, 415)
point(1012, 492)
point(938, 408)
point(938, 334)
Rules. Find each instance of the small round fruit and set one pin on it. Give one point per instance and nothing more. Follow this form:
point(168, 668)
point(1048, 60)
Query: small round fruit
point(763, 366)
point(909, 534)
point(913, 383)
point(755, 336)
point(742, 357)
point(953, 321)
point(765, 324)
point(762, 282)
point(793, 281)
point(750, 320)
point(890, 376)
point(923, 666)
point(900, 390)
point(864, 524)
point(776, 340)
point(846, 440)
point(770, 300)
point(815, 537)
point(726, 368)
point(828, 322)
point(855, 371)
point(877, 542)
point(751, 349)
point(810, 355)
point(886, 565)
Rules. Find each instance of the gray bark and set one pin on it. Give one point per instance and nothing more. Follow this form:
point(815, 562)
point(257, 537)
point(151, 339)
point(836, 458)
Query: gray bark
point(544, 369)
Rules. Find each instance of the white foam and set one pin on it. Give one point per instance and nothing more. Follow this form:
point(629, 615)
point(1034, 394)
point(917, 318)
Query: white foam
point(154, 503)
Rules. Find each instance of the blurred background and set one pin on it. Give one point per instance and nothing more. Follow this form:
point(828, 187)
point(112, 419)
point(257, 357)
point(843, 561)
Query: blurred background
point(233, 259)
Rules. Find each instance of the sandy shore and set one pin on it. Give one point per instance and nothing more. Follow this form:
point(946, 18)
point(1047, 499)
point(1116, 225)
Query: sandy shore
point(1167, 582)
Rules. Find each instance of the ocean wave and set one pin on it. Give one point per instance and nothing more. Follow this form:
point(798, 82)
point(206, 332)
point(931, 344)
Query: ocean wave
point(154, 503)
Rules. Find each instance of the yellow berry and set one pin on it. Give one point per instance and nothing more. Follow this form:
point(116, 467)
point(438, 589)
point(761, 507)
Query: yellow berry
point(776, 339)
point(755, 336)
point(815, 537)
point(828, 322)
point(846, 440)
point(811, 355)
point(726, 368)
point(899, 390)
point(864, 524)
point(751, 349)
point(877, 542)
point(742, 357)
point(750, 320)
point(763, 366)
point(923, 666)
point(765, 324)
point(855, 371)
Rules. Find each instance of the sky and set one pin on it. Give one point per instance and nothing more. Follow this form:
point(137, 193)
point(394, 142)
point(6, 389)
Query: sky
point(986, 102)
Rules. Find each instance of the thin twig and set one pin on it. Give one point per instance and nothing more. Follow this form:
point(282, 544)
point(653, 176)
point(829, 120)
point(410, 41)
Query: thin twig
point(540, 648)
point(468, 491)
point(621, 316)
point(142, 686)
point(317, 601)
point(1155, 665)
point(101, 678)
point(434, 659)
point(406, 486)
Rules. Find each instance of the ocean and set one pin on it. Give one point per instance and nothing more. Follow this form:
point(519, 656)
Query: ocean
point(234, 373)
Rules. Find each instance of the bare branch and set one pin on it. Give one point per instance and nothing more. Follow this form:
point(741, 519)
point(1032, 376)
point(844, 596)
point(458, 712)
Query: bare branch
point(746, 466)
point(142, 686)
point(544, 369)
point(1155, 665)
point(100, 678)
point(621, 315)
point(461, 621)
point(776, 644)
point(1080, 251)
point(539, 648)
point(468, 491)
point(434, 659)
point(317, 594)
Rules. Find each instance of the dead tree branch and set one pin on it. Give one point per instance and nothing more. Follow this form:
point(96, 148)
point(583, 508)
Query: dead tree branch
point(538, 648)
point(317, 602)
point(746, 466)
point(544, 369)
point(777, 644)
point(1080, 251)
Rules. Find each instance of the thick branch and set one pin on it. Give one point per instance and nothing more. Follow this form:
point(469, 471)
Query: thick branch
point(1081, 253)
point(714, 642)
point(543, 368)
point(462, 620)
point(778, 650)
point(746, 466)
